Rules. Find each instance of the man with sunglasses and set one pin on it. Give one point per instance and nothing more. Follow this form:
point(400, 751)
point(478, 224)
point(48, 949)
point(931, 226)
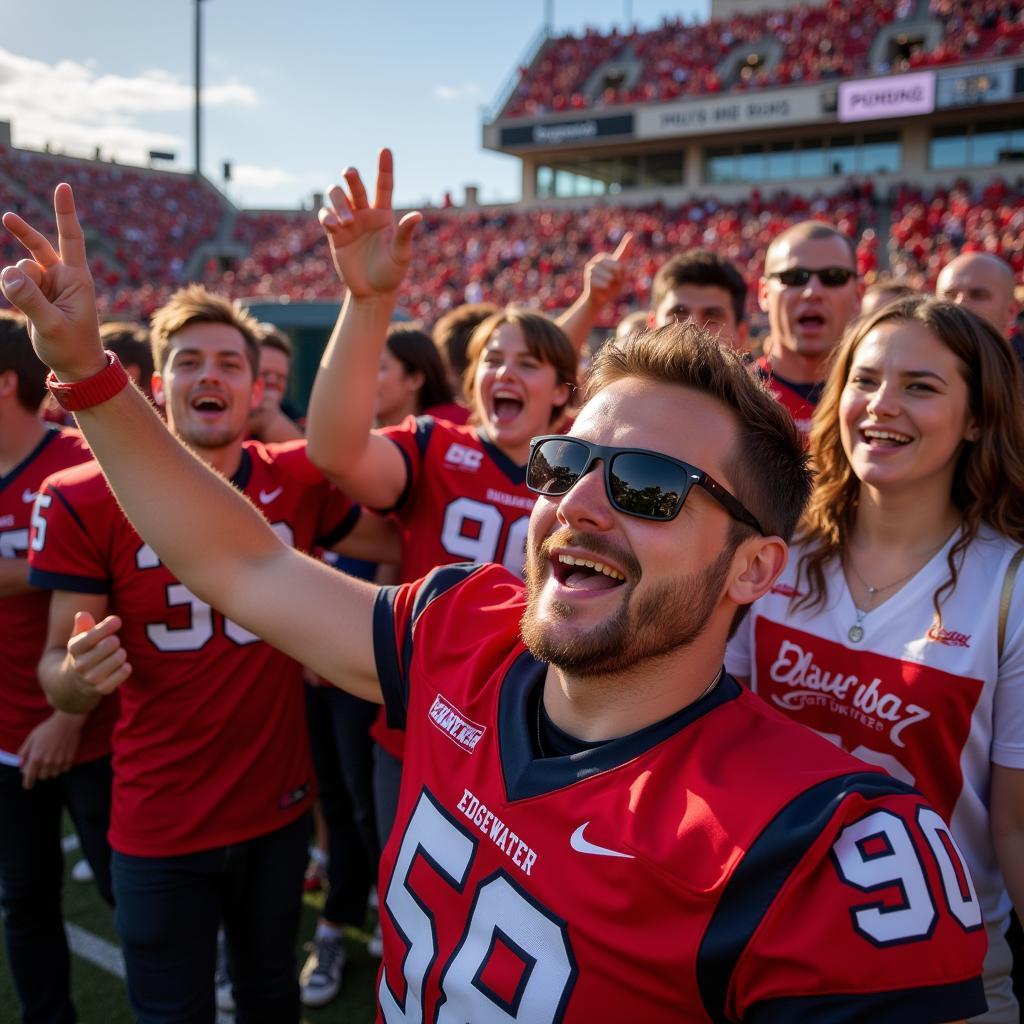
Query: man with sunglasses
point(595, 822)
point(810, 292)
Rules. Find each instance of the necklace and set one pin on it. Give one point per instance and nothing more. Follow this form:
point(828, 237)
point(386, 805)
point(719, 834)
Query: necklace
point(540, 705)
point(856, 631)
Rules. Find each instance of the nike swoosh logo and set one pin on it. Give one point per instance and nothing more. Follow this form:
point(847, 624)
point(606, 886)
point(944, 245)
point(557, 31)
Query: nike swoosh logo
point(266, 497)
point(580, 845)
point(28, 496)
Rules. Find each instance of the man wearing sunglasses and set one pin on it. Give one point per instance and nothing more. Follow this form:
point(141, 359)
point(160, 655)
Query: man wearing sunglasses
point(810, 292)
point(595, 822)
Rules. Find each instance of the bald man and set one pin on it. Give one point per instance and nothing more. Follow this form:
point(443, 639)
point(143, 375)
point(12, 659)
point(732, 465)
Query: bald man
point(810, 291)
point(982, 283)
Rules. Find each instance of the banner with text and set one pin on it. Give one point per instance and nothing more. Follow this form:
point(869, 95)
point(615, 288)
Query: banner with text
point(896, 96)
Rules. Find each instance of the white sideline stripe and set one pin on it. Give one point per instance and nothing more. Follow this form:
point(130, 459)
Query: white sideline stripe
point(108, 957)
point(69, 842)
point(102, 954)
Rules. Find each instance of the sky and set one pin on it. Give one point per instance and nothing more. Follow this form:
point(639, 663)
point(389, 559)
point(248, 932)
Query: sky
point(294, 91)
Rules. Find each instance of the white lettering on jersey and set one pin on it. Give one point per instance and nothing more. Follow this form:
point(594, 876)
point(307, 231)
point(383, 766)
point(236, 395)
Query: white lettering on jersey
point(511, 500)
point(463, 457)
point(28, 496)
point(523, 856)
point(846, 695)
point(455, 725)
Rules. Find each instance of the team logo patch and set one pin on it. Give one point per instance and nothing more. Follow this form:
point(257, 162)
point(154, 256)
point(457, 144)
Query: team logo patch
point(949, 637)
point(293, 796)
point(465, 458)
point(455, 725)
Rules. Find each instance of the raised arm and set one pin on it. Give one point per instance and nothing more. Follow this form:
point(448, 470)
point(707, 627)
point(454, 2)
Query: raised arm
point(371, 254)
point(209, 536)
point(603, 278)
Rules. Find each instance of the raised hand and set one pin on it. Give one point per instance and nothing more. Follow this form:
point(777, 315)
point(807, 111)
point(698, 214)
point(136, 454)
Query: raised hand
point(370, 251)
point(605, 273)
point(55, 291)
point(97, 661)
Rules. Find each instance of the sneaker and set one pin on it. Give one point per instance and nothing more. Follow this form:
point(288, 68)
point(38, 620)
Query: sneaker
point(82, 872)
point(375, 944)
point(320, 980)
point(222, 980)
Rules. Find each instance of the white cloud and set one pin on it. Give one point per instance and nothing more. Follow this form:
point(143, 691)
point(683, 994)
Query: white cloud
point(251, 176)
point(74, 108)
point(457, 92)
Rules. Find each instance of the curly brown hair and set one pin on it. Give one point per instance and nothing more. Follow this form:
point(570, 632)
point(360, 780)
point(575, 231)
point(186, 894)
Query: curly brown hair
point(988, 481)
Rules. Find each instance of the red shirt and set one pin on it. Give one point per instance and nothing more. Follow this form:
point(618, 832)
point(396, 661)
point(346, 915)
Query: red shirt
point(211, 745)
point(798, 406)
point(663, 876)
point(23, 617)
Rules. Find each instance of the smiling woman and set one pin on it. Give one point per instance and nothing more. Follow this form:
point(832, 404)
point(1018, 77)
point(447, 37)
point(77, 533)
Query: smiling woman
point(885, 632)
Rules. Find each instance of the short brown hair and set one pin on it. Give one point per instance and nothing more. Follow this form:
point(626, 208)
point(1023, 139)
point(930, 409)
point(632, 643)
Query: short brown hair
point(701, 267)
point(416, 351)
point(129, 342)
point(769, 469)
point(452, 333)
point(17, 354)
point(545, 341)
point(194, 304)
point(271, 336)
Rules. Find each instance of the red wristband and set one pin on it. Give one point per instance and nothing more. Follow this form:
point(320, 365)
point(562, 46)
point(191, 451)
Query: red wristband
point(82, 394)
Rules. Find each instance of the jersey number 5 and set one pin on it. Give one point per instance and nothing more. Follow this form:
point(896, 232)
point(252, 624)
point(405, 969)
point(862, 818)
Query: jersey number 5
point(502, 915)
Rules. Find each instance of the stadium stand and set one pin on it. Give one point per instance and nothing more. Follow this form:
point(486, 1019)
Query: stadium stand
point(771, 48)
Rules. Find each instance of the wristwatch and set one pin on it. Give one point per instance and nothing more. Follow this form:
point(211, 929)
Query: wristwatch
point(82, 394)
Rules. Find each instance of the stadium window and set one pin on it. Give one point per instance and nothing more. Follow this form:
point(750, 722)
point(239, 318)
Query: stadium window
point(720, 166)
point(781, 162)
point(947, 148)
point(662, 169)
point(842, 157)
point(881, 154)
point(750, 165)
point(989, 146)
point(810, 159)
point(545, 182)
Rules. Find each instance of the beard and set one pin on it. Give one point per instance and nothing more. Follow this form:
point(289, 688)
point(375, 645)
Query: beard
point(670, 616)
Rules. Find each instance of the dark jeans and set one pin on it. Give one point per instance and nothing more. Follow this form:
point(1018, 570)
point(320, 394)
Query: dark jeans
point(168, 912)
point(32, 878)
point(339, 736)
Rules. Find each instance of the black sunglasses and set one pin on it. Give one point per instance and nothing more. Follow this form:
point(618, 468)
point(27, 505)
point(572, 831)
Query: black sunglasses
point(830, 277)
point(638, 482)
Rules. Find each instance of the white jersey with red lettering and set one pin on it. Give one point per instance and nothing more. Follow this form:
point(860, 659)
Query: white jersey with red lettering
point(933, 704)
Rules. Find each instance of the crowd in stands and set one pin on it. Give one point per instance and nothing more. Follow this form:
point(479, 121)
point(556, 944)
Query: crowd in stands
point(677, 60)
point(930, 227)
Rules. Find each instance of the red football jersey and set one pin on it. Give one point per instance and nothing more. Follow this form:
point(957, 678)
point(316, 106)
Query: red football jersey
point(465, 500)
point(211, 746)
point(663, 876)
point(800, 408)
point(23, 617)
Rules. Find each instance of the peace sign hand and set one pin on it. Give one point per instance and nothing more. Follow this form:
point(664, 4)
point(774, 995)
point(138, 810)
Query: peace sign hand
point(370, 252)
point(55, 291)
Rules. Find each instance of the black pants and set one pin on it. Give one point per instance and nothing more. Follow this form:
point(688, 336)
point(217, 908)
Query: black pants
point(339, 737)
point(32, 878)
point(168, 912)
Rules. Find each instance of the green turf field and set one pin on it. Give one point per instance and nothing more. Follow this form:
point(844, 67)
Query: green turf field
point(100, 997)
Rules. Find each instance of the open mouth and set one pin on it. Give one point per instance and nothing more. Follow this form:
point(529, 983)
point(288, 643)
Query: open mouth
point(506, 406)
point(209, 404)
point(811, 321)
point(576, 573)
point(885, 438)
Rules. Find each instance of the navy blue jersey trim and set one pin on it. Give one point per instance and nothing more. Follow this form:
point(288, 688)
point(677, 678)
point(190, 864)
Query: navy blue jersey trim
point(60, 581)
point(393, 684)
point(769, 862)
point(515, 472)
point(526, 775)
point(25, 462)
point(954, 1001)
point(424, 430)
point(67, 504)
point(243, 474)
point(342, 530)
point(406, 487)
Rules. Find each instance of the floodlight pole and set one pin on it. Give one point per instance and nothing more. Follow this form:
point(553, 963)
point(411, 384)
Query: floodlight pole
point(197, 120)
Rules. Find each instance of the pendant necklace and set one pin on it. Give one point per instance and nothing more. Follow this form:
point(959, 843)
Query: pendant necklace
point(856, 631)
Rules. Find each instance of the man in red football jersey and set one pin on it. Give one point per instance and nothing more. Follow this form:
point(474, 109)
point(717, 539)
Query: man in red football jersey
point(49, 760)
point(596, 821)
point(810, 291)
point(212, 776)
